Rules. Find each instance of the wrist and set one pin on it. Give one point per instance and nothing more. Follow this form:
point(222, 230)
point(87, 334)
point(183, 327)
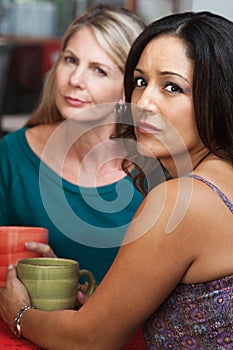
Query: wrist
point(18, 319)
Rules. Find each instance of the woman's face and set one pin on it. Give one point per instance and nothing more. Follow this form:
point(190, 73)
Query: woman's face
point(86, 76)
point(165, 124)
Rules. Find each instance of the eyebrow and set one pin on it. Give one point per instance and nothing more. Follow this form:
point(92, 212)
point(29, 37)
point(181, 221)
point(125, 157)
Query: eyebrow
point(175, 74)
point(68, 50)
point(109, 68)
point(164, 73)
point(139, 70)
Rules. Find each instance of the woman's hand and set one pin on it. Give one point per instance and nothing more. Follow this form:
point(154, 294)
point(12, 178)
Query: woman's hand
point(44, 249)
point(12, 297)
point(82, 297)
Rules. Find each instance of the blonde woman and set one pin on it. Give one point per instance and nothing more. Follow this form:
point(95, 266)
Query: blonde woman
point(62, 170)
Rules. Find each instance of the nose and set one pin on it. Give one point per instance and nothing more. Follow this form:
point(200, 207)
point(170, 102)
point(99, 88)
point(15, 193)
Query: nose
point(78, 77)
point(148, 100)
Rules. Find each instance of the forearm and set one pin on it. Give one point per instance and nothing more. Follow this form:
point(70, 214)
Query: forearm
point(96, 325)
point(74, 330)
point(55, 330)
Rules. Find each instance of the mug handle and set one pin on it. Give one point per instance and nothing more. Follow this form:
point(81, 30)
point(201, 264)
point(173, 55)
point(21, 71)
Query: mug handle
point(91, 280)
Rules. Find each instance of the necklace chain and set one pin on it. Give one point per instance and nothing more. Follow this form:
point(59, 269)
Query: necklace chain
point(205, 156)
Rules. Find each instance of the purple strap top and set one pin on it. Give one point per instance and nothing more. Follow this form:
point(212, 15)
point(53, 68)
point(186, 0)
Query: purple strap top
point(216, 190)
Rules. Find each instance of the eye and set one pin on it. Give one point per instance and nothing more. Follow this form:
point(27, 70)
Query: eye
point(69, 59)
point(139, 82)
point(172, 87)
point(100, 71)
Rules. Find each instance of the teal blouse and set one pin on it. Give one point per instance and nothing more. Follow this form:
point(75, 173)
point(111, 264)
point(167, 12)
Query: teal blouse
point(85, 224)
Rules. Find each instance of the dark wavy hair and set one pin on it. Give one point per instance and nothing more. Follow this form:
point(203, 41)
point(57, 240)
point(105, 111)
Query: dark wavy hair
point(209, 41)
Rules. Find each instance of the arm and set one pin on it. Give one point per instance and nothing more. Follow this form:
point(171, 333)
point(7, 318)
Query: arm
point(133, 288)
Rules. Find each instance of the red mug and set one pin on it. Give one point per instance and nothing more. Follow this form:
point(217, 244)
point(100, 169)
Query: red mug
point(12, 245)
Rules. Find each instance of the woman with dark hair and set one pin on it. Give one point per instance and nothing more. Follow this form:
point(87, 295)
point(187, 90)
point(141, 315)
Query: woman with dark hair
point(211, 76)
point(174, 271)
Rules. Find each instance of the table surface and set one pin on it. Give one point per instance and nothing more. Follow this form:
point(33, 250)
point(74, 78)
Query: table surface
point(9, 341)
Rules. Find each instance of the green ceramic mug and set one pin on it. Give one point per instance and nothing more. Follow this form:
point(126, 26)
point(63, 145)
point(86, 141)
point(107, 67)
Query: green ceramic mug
point(52, 282)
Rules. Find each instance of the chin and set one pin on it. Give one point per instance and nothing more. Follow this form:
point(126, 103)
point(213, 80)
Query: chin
point(144, 151)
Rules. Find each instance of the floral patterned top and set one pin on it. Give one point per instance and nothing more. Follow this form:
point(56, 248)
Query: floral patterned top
point(195, 316)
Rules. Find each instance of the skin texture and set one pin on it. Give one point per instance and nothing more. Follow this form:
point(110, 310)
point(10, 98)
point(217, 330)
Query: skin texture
point(193, 251)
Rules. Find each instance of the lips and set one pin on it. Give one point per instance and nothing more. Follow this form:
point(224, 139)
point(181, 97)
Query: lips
point(75, 102)
point(146, 128)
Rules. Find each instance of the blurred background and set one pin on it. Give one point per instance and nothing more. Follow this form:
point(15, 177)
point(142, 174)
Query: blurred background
point(30, 33)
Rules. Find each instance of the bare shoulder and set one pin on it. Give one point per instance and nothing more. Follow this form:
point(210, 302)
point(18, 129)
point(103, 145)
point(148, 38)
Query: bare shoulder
point(165, 207)
point(191, 225)
point(191, 192)
point(183, 204)
point(173, 192)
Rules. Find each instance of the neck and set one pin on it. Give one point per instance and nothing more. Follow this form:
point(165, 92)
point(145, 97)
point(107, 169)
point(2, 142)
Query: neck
point(180, 165)
point(201, 160)
point(88, 159)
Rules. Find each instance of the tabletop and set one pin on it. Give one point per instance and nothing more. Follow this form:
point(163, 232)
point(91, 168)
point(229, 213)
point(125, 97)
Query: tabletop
point(9, 341)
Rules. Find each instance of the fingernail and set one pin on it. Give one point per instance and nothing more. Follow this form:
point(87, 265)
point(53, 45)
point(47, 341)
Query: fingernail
point(10, 266)
point(81, 296)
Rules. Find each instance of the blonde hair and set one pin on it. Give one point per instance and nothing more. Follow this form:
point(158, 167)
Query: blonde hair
point(115, 29)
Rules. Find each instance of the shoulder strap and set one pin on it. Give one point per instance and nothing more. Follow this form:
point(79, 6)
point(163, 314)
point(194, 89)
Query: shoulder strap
point(216, 190)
